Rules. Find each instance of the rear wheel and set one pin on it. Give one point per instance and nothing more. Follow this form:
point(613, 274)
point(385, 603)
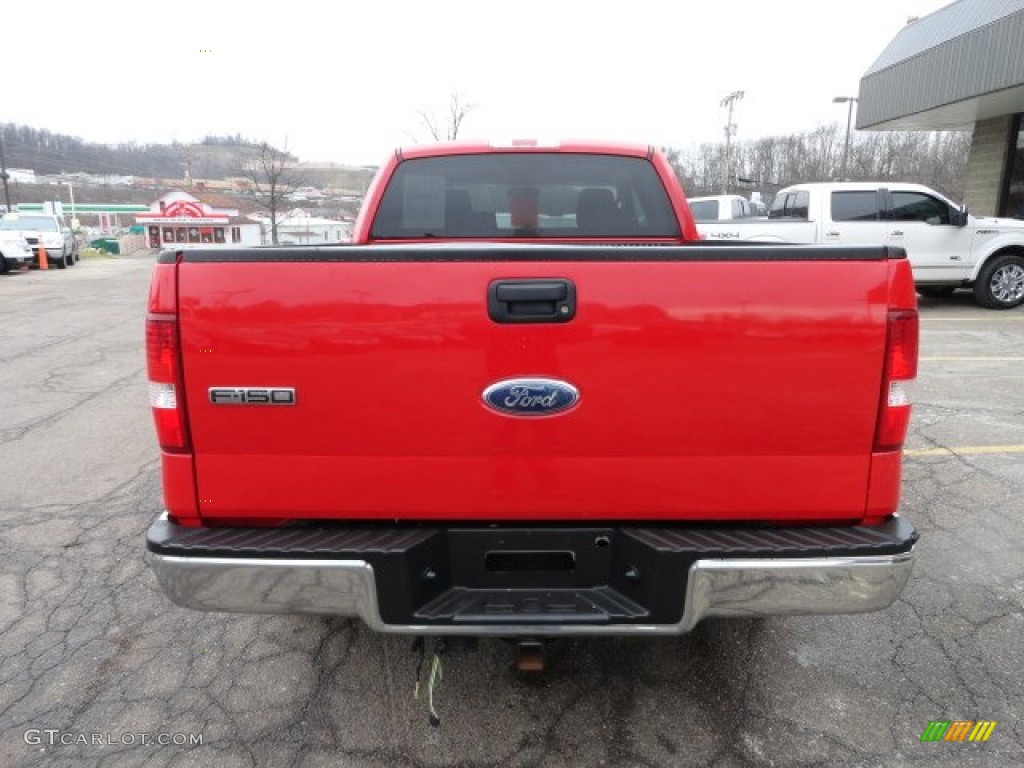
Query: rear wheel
point(935, 291)
point(1001, 282)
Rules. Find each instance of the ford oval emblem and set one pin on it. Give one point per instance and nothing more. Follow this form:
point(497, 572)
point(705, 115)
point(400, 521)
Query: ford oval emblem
point(531, 397)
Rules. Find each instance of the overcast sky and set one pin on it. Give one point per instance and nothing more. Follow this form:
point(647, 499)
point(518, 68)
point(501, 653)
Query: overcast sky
point(346, 81)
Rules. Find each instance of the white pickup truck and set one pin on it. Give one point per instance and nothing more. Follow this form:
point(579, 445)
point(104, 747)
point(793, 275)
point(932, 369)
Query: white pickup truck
point(947, 247)
point(46, 230)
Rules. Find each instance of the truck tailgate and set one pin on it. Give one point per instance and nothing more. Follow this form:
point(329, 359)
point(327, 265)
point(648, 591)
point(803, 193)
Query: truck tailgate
point(712, 384)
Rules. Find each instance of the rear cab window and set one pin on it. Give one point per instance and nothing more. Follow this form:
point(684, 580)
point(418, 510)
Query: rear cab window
point(510, 195)
point(859, 205)
point(704, 210)
point(791, 205)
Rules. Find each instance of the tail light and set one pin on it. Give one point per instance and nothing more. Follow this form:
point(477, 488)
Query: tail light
point(163, 361)
point(900, 369)
point(163, 358)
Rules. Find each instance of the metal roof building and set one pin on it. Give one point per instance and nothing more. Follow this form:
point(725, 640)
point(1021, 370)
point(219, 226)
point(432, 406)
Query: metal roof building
point(960, 68)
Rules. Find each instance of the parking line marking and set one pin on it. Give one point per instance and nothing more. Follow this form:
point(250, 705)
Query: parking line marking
point(977, 359)
point(966, 450)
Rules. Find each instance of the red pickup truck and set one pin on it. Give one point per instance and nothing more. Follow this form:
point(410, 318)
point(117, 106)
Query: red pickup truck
point(528, 401)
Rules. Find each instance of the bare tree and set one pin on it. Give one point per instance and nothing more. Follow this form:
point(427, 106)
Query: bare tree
point(447, 128)
point(938, 160)
point(675, 159)
point(272, 174)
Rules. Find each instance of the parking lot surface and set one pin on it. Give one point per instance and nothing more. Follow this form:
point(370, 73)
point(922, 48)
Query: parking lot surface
point(98, 668)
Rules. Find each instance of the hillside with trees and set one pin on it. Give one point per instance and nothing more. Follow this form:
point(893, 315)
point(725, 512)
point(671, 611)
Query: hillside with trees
point(215, 157)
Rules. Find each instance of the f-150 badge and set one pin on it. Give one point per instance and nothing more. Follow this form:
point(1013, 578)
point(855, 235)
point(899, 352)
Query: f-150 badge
point(252, 395)
point(531, 397)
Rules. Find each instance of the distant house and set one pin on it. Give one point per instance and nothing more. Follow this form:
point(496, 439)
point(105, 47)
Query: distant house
point(304, 193)
point(181, 220)
point(297, 227)
point(21, 175)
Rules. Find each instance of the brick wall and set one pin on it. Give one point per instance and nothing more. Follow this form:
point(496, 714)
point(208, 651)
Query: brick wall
point(985, 165)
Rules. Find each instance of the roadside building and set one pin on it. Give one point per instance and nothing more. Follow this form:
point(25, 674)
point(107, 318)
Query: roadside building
point(960, 68)
point(21, 175)
point(302, 194)
point(298, 227)
point(181, 220)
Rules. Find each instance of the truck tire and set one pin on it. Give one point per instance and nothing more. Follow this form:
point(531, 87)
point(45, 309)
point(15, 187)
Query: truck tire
point(1000, 285)
point(60, 262)
point(935, 291)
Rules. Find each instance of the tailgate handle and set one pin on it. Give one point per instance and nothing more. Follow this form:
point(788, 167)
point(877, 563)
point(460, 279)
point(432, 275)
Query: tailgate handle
point(531, 301)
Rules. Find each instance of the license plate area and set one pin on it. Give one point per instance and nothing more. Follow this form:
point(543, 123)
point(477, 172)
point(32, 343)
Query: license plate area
point(509, 575)
point(547, 558)
point(529, 562)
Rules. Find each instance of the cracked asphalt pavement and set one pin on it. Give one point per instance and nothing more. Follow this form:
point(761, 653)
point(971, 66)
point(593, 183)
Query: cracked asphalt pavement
point(89, 646)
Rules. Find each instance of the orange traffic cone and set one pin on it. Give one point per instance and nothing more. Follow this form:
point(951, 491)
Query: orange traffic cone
point(43, 263)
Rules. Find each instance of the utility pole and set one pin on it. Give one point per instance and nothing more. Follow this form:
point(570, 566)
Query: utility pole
point(3, 171)
point(71, 195)
point(730, 129)
point(850, 100)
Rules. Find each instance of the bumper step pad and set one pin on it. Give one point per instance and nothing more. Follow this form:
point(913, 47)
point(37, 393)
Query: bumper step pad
point(600, 605)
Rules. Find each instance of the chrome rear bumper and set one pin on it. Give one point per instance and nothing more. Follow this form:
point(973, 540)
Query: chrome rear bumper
point(714, 587)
